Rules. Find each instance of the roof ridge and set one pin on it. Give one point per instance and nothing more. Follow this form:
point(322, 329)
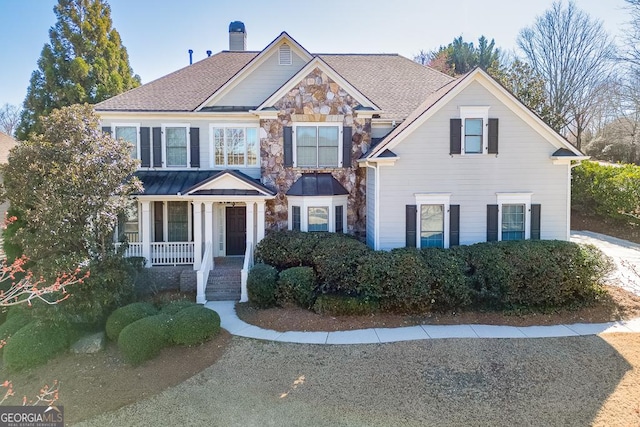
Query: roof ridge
point(356, 54)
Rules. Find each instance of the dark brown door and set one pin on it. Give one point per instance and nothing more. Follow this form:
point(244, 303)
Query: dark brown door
point(236, 225)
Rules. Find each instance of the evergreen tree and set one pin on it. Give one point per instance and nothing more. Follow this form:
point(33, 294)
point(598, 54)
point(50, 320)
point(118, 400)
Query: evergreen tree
point(460, 57)
point(84, 61)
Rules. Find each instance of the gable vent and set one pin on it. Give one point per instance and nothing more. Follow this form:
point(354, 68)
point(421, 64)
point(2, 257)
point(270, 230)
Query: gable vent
point(284, 55)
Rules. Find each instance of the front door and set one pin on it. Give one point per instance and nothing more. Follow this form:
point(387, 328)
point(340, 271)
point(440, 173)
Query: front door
point(236, 228)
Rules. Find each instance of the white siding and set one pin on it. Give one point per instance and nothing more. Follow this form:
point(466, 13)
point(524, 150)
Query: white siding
point(522, 165)
point(205, 139)
point(371, 209)
point(262, 82)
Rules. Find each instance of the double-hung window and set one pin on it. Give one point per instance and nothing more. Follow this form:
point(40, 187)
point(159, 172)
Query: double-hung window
point(176, 145)
point(178, 221)
point(129, 132)
point(318, 213)
point(235, 146)
point(515, 216)
point(474, 136)
point(433, 219)
point(317, 145)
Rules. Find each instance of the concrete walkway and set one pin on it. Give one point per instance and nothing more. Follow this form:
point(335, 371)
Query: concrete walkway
point(625, 254)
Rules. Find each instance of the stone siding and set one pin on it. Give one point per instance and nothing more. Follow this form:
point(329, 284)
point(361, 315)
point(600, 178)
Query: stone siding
point(316, 98)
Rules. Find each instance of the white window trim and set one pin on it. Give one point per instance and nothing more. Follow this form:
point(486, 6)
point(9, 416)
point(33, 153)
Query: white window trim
point(212, 146)
point(475, 112)
point(317, 124)
point(433, 199)
point(306, 202)
point(187, 126)
point(130, 125)
point(515, 199)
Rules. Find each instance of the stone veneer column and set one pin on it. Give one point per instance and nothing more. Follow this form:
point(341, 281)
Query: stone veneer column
point(146, 231)
point(197, 235)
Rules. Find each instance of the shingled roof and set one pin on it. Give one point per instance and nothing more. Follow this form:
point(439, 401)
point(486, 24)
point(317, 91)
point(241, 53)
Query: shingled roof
point(394, 83)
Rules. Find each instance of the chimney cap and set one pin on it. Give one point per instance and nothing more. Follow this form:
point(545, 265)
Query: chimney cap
point(236, 27)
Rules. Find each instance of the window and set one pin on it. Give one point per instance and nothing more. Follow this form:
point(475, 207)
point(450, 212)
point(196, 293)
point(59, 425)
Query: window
point(431, 226)
point(473, 135)
point(339, 219)
point(235, 146)
point(514, 218)
point(284, 55)
point(128, 132)
point(474, 121)
point(317, 146)
point(318, 213)
point(513, 223)
point(295, 212)
point(178, 221)
point(176, 146)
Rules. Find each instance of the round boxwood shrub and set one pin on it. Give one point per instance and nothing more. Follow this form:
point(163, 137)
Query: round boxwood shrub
point(296, 285)
point(143, 339)
point(16, 320)
point(194, 325)
point(261, 286)
point(336, 259)
point(126, 315)
point(35, 344)
point(173, 307)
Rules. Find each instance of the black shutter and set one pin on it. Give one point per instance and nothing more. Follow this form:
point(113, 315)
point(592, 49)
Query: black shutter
point(195, 147)
point(145, 147)
point(492, 223)
point(157, 147)
point(411, 212)
point(158, 226)
point(106, 129)
point(346, 146)
point(454, 225)
point(455, 136)
point(535, 222)
point(493, 136)
point(288, 146)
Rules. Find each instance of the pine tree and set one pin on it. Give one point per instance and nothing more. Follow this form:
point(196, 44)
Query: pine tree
point(84, 61)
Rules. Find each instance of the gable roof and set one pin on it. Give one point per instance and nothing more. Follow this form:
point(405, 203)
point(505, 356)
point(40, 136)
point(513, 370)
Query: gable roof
point(6, 144)
point(439, 98)
point(395, 84)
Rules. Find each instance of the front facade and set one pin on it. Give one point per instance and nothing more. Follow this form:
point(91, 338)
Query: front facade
point(374, 145)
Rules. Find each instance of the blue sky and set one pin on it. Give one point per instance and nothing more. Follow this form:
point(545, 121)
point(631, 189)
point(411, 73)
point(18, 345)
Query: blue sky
point(158, 33)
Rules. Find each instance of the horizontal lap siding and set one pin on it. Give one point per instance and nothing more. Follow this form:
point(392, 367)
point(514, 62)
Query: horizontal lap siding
point(425, 165)
point(371, 211)
point(263, 82)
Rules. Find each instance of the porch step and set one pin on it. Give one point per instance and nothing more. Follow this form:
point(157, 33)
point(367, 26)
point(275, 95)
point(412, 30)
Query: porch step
point(224, 280)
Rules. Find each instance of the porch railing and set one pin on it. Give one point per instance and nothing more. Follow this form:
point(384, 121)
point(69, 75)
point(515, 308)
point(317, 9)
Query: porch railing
point(171, 253)
point(202, 275)
point(246, 266)
point(133, 249)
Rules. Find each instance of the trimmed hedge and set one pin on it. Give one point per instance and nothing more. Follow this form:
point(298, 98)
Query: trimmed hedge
point(261, 286)
point(124, 316)
point(285, 249)
point(340, 305)
point(173, 307)
point(13, 324)
point(34, 344)
point(335, 260)
point(194, 325)
point(297, 285)
point(143, 339)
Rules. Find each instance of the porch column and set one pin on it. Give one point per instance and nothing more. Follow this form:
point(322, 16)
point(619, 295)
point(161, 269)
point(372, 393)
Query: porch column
point(146, 231)
point(249, 216)
point(208, 224)
point(197, 235)
point(260, 220)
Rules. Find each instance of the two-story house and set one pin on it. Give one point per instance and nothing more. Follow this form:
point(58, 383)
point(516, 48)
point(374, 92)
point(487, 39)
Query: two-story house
point(374, 145)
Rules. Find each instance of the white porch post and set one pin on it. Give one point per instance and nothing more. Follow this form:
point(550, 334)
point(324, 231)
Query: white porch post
point(146, 231)
point(260, 221)
point(249, 216)
point(197, 235)
point(208, 223)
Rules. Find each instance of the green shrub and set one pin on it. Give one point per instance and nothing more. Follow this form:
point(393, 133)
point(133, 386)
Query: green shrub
point(194, 325)
point(126, 315)
point(336, 259)
point(143, 339)
point(12, 249)
point(261, 286)
point(35, 344)
point(449, 286)
point(297, 285)
point(339, 305)
point(173, 307)
point(13, 324)
point(285, 249)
